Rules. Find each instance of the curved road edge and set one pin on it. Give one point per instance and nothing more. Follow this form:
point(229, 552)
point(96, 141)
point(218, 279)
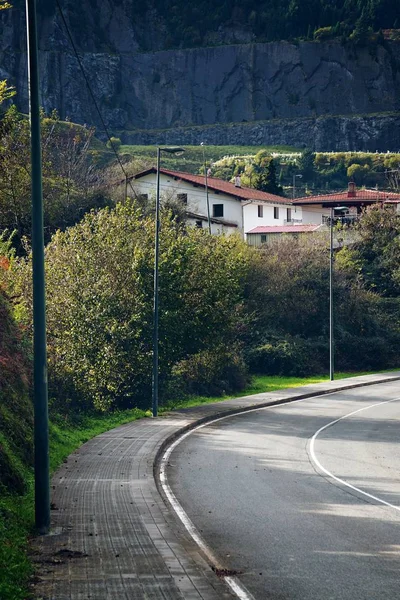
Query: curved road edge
point(222, 411)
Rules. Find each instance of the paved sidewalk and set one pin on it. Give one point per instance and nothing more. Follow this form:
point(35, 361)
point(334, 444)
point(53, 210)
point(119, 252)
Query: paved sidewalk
point(112, 536)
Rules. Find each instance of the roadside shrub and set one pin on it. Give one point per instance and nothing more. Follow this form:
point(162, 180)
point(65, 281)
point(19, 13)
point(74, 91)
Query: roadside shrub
point(209, 373)
point(365, 353)
point(291, 356)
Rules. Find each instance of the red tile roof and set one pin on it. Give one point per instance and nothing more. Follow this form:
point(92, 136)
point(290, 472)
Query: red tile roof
point(344, 198)
point(284, 228)
point(219, 185)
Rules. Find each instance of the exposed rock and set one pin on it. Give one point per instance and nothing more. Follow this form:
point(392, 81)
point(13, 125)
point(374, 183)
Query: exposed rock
point(322, 134)
point(253, 84)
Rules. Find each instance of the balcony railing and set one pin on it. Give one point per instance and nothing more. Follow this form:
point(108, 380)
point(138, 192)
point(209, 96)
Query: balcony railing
point(344, 220)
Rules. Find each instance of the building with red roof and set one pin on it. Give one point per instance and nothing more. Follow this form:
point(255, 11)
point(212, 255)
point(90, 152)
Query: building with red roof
point(232, 207)
point(255, 214)
point(316, 209)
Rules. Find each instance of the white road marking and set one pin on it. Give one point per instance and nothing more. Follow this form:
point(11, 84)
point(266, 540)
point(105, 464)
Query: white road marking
point(240, 591)
point(338, 479)
point(233, 582)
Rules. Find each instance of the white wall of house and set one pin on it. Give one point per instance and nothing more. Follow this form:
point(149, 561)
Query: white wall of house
point(245, 215)
point(314, 214)
point(272, 214)
point(196, 199)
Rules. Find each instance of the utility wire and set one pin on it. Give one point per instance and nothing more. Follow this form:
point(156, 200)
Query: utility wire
point(93, 96)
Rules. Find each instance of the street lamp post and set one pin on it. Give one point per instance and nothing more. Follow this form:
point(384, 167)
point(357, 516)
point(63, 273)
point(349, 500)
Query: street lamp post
point(40, 395)
point(294, 183)
point(206, 181)
point(177, 151)
point(331, 348)
point(331, 265)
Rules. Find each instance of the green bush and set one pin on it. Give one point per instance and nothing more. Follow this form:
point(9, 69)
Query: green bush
point(291, 356)
point(114, 143)
point(209, 373)
point(323, 33)
point(356, 353)
point(100, 304)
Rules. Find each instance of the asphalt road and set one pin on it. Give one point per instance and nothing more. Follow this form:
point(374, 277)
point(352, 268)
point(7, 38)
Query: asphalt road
point(265, 498)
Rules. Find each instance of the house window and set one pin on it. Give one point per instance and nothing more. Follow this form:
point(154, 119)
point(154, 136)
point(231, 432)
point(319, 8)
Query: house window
point(289, 214)
point(199, 224)
point(276, 212)
point(260, 210)
point(182, 198)
point(263, 238)
point(218, 210)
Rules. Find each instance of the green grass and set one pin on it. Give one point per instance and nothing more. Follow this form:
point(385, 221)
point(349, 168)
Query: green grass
point(192, 160)
point(16, 519)
point(17, 512)
point(262, 384)
point(66, 435)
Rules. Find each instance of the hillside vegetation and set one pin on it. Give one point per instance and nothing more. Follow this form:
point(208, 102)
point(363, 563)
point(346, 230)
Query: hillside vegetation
point(194, 23)
point(320, 171)
point(227, 311)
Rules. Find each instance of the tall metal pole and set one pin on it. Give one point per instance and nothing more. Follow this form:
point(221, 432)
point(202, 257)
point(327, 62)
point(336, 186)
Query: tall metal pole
point(208, 202)
point(331, 341)
point(206, 180)
point(41, 427)
point(155, 304)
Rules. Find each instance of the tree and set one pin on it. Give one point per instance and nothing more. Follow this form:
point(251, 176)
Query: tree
point(306, 165)
point(70, 179)
point(375, 259)
point(99, 277)
point(357, 173)
point(114, 143)
point(265, 178)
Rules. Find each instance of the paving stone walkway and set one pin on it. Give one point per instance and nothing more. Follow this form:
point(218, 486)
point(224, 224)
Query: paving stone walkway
point(112, 535)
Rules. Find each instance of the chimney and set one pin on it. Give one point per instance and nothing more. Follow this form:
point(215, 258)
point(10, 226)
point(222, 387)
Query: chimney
point(237, 182)
point(351, 192)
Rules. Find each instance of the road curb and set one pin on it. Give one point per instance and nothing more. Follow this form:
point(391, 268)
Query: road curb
point(263, 404)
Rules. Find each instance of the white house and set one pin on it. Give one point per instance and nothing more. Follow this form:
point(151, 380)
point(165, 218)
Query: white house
point(232, 207)
point(317, 209)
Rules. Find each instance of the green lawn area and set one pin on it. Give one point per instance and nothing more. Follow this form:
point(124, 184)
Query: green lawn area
point(66, 435)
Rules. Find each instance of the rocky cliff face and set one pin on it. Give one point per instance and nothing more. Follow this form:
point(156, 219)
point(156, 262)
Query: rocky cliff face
point(280, 92)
